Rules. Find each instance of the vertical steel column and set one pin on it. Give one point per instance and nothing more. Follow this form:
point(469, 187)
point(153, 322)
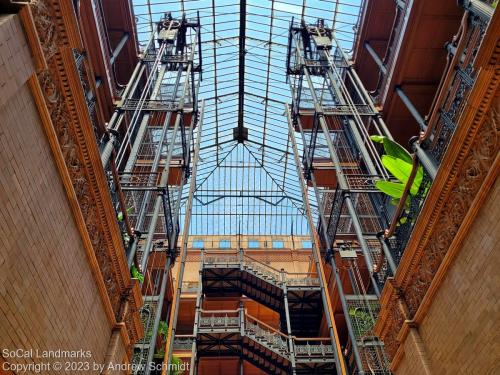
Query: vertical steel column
point(117, 116)
point(288, 325)
point(338, 281)
point(327, 306)
point(164, 180)
point(170, 261)
point(145, 119)
point(185, 234)
point(342, 182)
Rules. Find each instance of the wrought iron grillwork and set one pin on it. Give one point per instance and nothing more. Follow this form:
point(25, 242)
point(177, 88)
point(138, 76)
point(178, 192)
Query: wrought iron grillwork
point(408, 218)
point(374, 358)
point(261, 270)
point(183, 343)
point(363, 311)
point(458, 90)
point(306, 350)
point(370, 204)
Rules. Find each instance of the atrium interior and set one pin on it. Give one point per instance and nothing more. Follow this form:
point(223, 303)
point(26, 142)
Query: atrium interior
point(249, 187)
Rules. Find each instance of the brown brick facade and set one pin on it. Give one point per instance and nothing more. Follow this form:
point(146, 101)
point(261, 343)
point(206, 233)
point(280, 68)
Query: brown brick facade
point(461, 329)
point(49, 299)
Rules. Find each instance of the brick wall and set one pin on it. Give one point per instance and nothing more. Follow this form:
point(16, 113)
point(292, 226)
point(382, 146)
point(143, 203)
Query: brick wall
point(461, 329)
point(48, 296)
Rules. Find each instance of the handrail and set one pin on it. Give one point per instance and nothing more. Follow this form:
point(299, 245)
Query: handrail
point(218, 252)
point(245, 256)
point(121, 197)
point(262, 263)
point(220, 311)
point(311, 338)
point(449, 74)
point(301, 273)
point(462, 31)
point(259, 322)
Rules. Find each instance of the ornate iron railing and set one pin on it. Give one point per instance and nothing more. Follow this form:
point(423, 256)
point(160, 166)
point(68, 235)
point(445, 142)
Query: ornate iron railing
point(183, 343)
point(313, 348)
point(306, 349)
point(261, 270)
point(451, 98)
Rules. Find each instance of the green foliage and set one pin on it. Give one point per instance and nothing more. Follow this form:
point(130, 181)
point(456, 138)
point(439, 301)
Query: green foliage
point(363, 322)
point(120, 215)
point(160, 354)
point(176, 366)
point(494, 4)
point(163, 329)
point(392, 148)
point(136, 274)
point(399, 163)
point(392, 189)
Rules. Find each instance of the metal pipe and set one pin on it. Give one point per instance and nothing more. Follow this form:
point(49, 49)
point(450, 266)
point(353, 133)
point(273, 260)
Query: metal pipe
point(108, 150)
point(409, 105)
point(164, 179)
point(156, 322)
point(353, 126)
point(185, 235)
point(427, 161)
point(145, 119)
point(375, 57)
point(117, 116)
point(479, 7)
point(133, 248)
point(119, 47)
point(368, 99)
point(387, 253)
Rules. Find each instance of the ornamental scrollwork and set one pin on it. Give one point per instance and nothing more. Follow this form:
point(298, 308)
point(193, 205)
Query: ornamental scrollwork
point(49, 27)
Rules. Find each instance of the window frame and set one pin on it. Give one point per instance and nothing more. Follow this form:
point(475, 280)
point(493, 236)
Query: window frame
point(225, 241)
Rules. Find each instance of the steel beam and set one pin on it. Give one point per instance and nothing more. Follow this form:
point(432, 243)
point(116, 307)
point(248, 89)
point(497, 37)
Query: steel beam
point(375, 57)
point(411, 108)
point(240, 134)
point(119, 47)
point(183, 256)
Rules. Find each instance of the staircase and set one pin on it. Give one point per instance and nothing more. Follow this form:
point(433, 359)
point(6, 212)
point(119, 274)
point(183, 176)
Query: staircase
point(235, 274)
point(235, 332)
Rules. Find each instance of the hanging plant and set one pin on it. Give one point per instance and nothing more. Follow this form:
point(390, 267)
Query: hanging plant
point(134, 272)
point(399, 163)
point(120, 215)
point(364, 321)
point(163, 329)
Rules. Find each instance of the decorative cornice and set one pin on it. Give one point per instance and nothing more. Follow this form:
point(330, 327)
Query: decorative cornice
point(75, 144)
point(467, 172)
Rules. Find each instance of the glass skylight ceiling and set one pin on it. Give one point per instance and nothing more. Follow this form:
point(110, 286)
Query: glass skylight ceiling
point(252, 187)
